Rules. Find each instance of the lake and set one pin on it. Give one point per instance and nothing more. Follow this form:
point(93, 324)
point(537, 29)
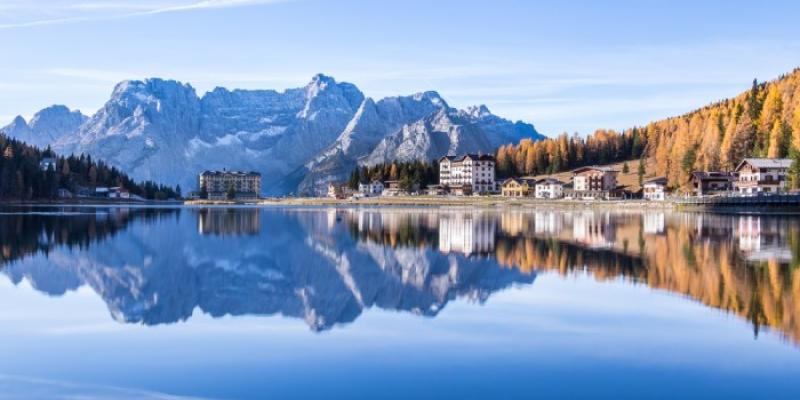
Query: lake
point(315, 302)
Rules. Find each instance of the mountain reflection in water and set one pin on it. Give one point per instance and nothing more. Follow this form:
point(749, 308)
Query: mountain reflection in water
point(326, 266)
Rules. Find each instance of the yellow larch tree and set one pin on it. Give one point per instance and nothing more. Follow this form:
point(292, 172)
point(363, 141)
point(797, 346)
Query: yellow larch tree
point(776, 138)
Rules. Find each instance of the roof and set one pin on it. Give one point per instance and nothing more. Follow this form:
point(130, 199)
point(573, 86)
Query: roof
point(713, 175)
point(594, 167)
point(519, 181)
point(766, 163)
point(549, 181)
point(240, 173)
point(479, 157)
point(657, 180)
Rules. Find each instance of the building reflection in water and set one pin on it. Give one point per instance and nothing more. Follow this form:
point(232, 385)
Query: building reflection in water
point(760, 239)
point(747, 265)
point(593, 229)
point(548, 223)
point(467, 233)
point(654, 222)
point(327, 265)
point(228, 221)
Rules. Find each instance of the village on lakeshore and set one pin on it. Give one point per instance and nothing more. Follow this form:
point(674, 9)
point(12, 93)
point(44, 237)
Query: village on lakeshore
point(474, 175)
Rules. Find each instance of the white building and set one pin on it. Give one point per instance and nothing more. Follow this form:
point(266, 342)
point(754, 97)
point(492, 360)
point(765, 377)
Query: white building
point(374, 188)
point(119, 192)
point(549, 188)
point(394, 188)
point(655, 189)
point(593, 183)
point(470, 173)
point(762, 175)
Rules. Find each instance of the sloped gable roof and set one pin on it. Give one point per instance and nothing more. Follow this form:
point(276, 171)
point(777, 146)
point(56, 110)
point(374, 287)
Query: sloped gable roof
point(766, 163)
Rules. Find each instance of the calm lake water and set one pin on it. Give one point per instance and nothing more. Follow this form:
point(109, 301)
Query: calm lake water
point(397, 303)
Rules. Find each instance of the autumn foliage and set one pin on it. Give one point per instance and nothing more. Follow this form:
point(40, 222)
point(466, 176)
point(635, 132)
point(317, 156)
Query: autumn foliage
point(761, 122)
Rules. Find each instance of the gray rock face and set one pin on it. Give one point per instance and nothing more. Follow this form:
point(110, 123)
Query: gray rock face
point(449, 132)
point(47, 126)
point(371, 124)
point(299, 139)
point(143, 129)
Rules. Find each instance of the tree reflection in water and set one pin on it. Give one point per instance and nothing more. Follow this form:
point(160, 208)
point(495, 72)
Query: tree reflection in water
point(747, 265)
point(327, 265)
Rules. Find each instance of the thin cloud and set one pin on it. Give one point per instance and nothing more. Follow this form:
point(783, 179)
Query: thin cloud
point(91, 74)
point(120, 10)
point(208, 4)
point(22, 386)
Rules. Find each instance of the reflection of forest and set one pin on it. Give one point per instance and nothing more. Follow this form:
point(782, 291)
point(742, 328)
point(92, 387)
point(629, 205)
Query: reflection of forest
point(746, 265)
point(309, 267)
point(228, 221)
point(742, 264)
point(26, 231)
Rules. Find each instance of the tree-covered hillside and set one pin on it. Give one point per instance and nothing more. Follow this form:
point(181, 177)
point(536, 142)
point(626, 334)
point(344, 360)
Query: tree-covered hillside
point(761, 122)
point(23, 177)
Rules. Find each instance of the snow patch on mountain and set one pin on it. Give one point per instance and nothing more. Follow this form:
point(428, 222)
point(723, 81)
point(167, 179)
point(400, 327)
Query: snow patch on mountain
point(299, 139)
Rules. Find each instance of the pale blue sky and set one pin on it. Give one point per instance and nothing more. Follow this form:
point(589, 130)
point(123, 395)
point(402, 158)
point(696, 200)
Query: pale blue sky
point(564, 67)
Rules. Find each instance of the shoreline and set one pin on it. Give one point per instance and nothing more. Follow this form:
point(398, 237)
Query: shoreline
point(480, 202)
point(470, 201)
point(91, 202)
point(499, 202)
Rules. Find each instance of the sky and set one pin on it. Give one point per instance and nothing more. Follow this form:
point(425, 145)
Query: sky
point(564, 66)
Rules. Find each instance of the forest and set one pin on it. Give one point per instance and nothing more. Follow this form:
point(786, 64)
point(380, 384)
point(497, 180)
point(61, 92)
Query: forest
point(22, 178)
point(410, 174)
point(763, 121)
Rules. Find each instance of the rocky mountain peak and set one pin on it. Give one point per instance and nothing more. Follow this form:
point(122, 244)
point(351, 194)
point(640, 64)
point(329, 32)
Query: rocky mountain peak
point(47, 126)
point(324, 93)
point(321, 80)
point(18, 129)
point(480, 111)
point(18, 123)
point(431, 97)
point(299, 138)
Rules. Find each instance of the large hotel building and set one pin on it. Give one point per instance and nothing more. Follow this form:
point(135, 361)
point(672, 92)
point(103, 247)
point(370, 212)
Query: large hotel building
point(246, 184)
point(471, 173)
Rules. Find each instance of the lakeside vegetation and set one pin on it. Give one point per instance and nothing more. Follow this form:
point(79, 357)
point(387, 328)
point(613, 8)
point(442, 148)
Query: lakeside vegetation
point(23, 177)
point(409, 174)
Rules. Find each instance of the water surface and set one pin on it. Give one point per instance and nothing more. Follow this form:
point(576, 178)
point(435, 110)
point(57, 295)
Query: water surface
point(397, 303)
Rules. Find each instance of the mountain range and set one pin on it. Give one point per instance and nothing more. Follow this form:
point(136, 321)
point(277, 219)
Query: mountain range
point(299, 139)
